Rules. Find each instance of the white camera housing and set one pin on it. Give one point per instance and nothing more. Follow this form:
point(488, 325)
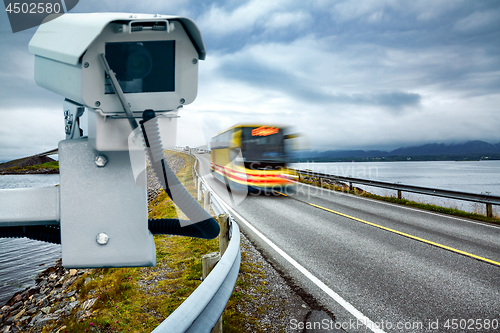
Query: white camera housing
point(67, 51)
point(154, 57)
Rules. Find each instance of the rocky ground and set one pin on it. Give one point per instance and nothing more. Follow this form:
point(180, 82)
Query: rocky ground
point(154, 186)
point(49, 299)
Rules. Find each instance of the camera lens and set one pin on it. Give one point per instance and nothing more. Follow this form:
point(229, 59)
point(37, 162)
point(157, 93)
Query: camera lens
point(139, 63)
point(133, 62)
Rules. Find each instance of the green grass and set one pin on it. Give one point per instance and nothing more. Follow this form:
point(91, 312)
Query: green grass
point(54, 165)
point(393, 199)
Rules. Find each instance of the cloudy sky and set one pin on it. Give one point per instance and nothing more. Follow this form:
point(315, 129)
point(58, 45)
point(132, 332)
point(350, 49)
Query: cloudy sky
point(348, 74)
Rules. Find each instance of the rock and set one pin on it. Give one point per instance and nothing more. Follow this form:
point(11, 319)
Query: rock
point(82, 315)
point(88, 304)
point(16, 305)
point(41, 322)
point(68, 308)
point(34, 319)
point(45, 310)
point(18, 297)
point(72, 272)
point(32, 291)
point(32, 311)
point(9, 320)
point(45, 302)
point(20, 314)
point(60, 329)
point(70, 294)
point(5, 308)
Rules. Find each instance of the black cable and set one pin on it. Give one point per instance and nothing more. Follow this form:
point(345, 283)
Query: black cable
point(200, 224)
point(173, 227)
point(44, 233)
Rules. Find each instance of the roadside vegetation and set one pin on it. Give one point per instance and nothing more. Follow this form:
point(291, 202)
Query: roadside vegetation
point(49, 167)
point(30, 164)
point(338, 186)
point(139, 299)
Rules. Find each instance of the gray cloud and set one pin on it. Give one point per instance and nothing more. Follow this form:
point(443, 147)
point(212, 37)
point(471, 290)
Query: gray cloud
point(308, 90)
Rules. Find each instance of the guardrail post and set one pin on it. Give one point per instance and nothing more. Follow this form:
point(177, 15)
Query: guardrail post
point(350, 186)
point(399, 194)
point(489, 210)
point(208, 263)
point(223, 220)
point(206, 200)
point(199, 189)
point(320, 182)
point(299, 176)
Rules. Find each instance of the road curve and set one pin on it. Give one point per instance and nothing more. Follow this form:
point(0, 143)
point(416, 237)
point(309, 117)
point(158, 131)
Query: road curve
point(401, 284)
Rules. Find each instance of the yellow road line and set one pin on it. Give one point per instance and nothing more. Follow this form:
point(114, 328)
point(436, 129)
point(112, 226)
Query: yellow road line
point(404, 234)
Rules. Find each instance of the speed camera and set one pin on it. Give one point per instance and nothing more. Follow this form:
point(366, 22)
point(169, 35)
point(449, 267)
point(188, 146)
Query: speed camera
point(154, 57)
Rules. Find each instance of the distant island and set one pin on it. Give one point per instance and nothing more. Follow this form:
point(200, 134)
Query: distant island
point(30, 165)
point(469, 151)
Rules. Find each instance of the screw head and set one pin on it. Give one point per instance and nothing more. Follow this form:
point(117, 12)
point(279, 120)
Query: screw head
point(86, 65)
point(100, 161)
point(97, 104)
point(195, 61)
point(102, 238)
point(182, 101)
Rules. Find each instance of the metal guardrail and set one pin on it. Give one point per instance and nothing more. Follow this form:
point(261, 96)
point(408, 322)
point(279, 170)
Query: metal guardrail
point(200, 311)
point(487, 199)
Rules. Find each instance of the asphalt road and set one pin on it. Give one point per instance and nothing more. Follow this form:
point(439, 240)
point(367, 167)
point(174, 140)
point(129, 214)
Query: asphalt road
point(425, 280)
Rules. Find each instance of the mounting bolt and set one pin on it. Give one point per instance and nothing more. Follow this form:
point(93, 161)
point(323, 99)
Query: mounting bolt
point(195, 61)
point(86, 65)
point(97, 104)
point(100, 161)
point(182, 101)
point(102, 239)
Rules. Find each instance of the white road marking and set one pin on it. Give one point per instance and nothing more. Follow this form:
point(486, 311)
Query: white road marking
point(336, 297)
